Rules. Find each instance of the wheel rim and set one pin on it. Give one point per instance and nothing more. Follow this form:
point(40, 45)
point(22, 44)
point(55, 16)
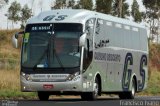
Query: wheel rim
point(95, 89)
point(133, 89)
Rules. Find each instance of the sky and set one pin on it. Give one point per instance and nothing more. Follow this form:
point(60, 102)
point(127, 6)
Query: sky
point(45, 4)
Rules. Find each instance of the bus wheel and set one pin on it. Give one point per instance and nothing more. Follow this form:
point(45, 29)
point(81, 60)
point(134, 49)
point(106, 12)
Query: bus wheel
point(43, 96)
point(92, 95)
point(130, 94)
point(96, 89)
point(84, 96)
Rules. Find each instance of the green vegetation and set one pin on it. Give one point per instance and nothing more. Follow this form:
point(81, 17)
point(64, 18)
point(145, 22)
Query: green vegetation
point(17, 13)
point(86, 4)
point(14, 94)
point(135, 12)
point(9, 57)
point(104, 6)
point(153, 87)
point(120, 8)
point(9, 70)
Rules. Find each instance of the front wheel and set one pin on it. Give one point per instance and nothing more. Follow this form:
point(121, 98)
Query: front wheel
point(92, 95)
point(43, 96)
point(130, 94)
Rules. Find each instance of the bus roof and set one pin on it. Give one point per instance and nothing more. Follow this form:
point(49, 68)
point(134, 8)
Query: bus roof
point(76, 16)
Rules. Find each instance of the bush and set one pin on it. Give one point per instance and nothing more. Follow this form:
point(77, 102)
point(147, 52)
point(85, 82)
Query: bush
point(3, 36)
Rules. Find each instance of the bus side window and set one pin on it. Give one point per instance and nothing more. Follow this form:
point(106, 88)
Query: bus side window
point(88, 51)
point(90, 24)
point(87, 57)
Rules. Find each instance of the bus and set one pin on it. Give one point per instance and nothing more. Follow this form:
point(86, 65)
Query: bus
point(82, 52)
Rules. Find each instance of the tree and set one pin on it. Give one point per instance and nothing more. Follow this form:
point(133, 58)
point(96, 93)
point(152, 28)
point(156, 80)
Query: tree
point(26, 13)
point(14, 12)
point(77, 5)
point(71, 4)
point(59, 4)
point(86, 4)
point(136, 14)
point(152, 17)
point(125, 10)
point(104, 6)
point(120, 8)
point(74, 4)
point(3, 2)
point(117, 8)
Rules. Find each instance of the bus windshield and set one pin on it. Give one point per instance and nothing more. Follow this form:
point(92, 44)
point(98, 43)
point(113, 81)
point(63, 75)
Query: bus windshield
point(51, 45)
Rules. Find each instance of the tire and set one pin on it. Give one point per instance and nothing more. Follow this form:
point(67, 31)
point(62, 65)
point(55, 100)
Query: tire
point(84, 96)
point(43, 96)
point(92, 95)
point(122, 95)
point(130, 94)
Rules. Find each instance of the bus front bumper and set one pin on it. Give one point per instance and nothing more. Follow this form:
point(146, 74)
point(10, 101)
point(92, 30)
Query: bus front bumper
point(29, 86)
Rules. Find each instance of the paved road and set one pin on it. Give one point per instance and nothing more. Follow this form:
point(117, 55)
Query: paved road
point(138, 101)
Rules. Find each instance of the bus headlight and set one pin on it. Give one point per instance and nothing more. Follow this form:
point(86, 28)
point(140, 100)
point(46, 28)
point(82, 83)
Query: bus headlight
point(74, 76)
point(26, 76)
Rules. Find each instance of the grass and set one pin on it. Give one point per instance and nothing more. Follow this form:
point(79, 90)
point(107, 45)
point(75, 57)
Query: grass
point(17, 94)
point(9, 68)
point(9, 79)
point(9, 57)
point(153, 87)
point(10, 86)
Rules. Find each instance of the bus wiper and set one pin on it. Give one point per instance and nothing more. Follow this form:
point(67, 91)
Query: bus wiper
point(40, 59)
point(57, 57)
point(54, 50)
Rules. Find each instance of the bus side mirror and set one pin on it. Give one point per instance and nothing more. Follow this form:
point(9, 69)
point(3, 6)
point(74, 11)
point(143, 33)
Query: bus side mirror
point(15, 39)
point(82, 40)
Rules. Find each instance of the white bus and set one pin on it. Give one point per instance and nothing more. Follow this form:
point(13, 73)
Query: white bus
point(81, 52)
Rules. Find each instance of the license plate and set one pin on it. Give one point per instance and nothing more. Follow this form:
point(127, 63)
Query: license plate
point(48, 86)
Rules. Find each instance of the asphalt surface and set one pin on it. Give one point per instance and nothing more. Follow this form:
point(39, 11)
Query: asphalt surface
point(138, 101)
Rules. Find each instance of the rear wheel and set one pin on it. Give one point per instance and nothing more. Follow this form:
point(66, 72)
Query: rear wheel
point(92, 95)
point(130, 94)
point(84, 96)
point(43, 96)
